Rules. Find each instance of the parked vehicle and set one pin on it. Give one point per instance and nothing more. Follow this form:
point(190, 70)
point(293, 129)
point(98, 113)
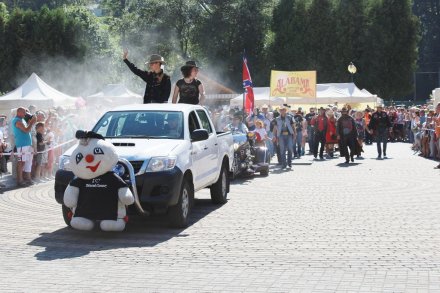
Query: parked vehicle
point(243, 160)
point(167, 153)
point(260, 155)
point(250, 156)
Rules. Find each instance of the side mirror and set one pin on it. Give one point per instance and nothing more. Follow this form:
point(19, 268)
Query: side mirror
point(199, 135)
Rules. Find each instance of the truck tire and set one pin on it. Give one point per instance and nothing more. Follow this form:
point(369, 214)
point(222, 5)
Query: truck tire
point(219, 190)
point(66, 211)
point(179, 213)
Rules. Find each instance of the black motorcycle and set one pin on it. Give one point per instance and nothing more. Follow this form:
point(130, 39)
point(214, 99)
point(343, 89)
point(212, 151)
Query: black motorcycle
point(250, 156)
point(260, 154)
point(242, 156)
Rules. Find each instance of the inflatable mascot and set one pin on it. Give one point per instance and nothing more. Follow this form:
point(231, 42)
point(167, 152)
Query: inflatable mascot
point(96, 193)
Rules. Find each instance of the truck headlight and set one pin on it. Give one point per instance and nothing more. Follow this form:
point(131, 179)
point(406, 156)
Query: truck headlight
point(158, 164)
point(64, 163)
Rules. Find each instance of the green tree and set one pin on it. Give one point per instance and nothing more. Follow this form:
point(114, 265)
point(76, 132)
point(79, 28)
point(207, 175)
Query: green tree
point(428, 12)
point(350, 40)
point(50, 42)
point(38, 4)
point(225, 30)
point(320, 45)
point(390, 59)
point(289, 49)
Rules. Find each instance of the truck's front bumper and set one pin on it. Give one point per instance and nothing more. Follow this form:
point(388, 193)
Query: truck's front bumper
point(156, 190)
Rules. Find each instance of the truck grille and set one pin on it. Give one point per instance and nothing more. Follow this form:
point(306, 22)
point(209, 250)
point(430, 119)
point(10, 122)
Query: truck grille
point(136, 165)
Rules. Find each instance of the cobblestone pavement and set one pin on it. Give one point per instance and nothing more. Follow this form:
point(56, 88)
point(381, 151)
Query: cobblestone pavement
point(371, 227)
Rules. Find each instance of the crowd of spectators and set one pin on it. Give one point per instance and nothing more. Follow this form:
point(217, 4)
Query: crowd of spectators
point(419, 126)
point(32, 139)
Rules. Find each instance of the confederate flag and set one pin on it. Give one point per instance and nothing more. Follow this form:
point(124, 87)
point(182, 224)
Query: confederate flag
point(248, 90)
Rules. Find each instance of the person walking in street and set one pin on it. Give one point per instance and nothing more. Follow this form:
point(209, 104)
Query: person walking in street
point(319, 123)
point(347, 135)
point(331, 135)
point(23, 142)
point(380, 124)
point(284, 133)
point(361, 128)
point(297, 140)
point(310, 129)
point(189, 89)
point(158, 86)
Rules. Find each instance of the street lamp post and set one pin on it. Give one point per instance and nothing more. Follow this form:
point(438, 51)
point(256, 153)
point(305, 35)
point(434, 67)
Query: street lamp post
point(352, 69)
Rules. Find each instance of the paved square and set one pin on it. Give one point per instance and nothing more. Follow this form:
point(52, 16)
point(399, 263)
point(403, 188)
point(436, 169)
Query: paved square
point(373, 226)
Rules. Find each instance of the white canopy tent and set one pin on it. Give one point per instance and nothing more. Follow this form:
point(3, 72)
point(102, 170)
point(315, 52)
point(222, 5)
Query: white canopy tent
point(261, 97)
point(116, 94)
point(327, 93)
point(436, 96)
point(34, 91)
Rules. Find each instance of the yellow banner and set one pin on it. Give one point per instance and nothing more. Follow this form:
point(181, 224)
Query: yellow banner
point(293, 84)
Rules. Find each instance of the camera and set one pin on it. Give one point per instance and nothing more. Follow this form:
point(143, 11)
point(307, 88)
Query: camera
point(28, 116)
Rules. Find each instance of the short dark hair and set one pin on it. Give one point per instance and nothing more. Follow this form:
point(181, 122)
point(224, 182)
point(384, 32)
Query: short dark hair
point(186, 70)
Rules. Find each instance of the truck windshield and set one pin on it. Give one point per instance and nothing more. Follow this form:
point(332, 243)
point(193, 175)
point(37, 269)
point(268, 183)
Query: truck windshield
point(141, 124)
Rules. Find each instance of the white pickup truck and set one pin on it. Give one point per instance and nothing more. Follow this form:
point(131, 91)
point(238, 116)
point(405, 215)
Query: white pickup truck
point(167, 153)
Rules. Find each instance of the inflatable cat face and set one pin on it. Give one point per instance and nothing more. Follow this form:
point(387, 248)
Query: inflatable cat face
point(93, 156)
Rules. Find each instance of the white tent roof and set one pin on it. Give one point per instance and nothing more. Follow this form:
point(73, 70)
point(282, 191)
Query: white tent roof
point(327, 93)
point(261, 97)
point(116, 93)
point(34, 91)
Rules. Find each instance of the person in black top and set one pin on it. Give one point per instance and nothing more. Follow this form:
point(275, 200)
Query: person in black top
point(310, 129)
point(380, 123)
point(297, 140)
point(347, 135)
point(41, 146)
point(189, 89)
point(158, 87)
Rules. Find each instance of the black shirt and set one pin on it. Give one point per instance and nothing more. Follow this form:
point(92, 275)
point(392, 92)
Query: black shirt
point(98, 197)
point(309, 117)
point(189, 92)
point(379, 121)
point(298, 122)
point(158, 87)
point(40, 144)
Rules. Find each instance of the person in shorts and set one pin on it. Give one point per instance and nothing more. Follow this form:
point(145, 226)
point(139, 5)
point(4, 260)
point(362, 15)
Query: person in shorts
point(21, 127)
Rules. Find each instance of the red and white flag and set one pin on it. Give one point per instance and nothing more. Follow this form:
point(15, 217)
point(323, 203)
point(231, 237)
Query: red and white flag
point(248, 88)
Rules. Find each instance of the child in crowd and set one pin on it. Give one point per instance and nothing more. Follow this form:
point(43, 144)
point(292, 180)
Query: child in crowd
point(259, 124)
point(41, 146)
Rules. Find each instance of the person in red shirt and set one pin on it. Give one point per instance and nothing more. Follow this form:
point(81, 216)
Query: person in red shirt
point(330, 136)
point(320, 123)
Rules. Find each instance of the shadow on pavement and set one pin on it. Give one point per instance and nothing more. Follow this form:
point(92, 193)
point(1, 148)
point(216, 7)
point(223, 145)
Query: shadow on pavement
point(68, 243)
point(345, 165)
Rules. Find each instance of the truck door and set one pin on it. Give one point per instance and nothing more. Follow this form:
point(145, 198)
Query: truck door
point(198, 154)
point(210, 146)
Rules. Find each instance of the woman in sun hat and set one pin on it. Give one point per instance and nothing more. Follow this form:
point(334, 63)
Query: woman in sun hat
point(189, 89)
point(158, 86)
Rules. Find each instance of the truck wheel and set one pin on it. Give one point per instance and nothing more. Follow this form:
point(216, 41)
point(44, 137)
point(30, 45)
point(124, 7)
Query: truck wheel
point(219, 190)
point(178, 214)
point(67, 213)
